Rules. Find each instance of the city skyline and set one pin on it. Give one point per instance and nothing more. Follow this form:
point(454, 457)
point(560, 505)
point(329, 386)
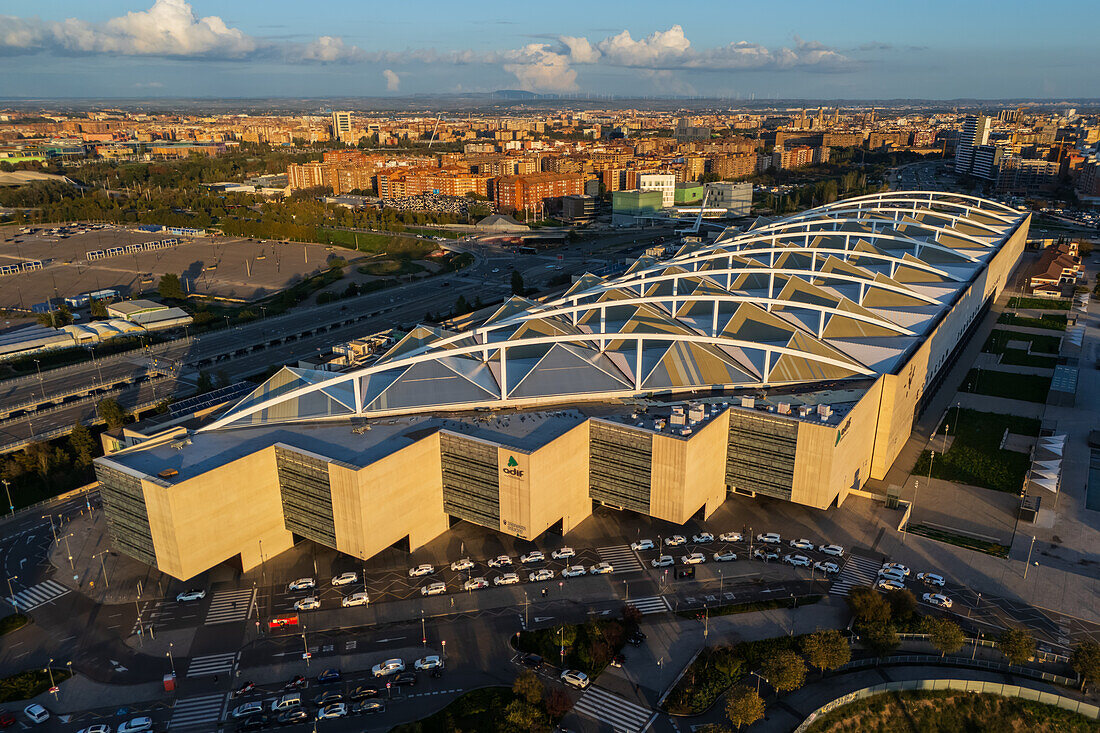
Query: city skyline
point(174, 48)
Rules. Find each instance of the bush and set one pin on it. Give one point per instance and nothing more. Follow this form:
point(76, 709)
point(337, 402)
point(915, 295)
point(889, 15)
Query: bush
point(12, 623)
point(26, 685)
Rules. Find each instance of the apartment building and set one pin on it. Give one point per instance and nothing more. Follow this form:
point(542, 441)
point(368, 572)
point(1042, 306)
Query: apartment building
point(529, 192)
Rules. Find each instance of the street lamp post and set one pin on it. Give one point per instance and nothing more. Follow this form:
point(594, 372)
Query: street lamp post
point(49, 670)
point(69, 552)
point(1029, 549)
point(53, 531)
point(103, 567)
point(7, 489)
point(11, 593)
point(171, 660)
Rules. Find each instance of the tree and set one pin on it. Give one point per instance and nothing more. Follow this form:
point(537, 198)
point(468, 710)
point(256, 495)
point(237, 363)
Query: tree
point(462, 306)
point(524, 716)
point(784, 670)
point(112, 413)
point(56, 318)
point(868, 607)
point(529, 687)
point(204, 383)
point(903, 606)
point(517, 283)
point(946, 636)
point(558, 704)
point(1086, 661)
point(881, 638)
point(98, 308)
point(83, 444)
point(743, 706)
point(169, 286)
point(1017, 644)
point(826, 649)
point(43, 458)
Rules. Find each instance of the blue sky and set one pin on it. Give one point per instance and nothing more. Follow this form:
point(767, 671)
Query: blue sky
point(254, 48)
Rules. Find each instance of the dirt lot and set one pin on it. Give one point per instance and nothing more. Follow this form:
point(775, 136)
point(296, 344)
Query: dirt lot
point(224, 267)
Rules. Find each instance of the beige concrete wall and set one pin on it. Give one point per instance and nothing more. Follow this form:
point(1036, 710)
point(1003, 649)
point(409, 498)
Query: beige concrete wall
point(689, 473)
point(206, 520)
point(400, 494)
point(559, 481)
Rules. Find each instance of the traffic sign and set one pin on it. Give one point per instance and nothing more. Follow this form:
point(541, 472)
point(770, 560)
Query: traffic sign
point(306, 655)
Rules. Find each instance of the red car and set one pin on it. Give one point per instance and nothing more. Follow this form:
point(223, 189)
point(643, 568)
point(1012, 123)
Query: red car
point(6, 719)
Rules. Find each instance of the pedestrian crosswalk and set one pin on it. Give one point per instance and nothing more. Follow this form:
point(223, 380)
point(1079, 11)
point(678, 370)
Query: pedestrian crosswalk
point(198, 713)
point(605, 707)
point(621, 557)
point(650, 604)
point(857, 570)
point(37, 595)
point(230, 605)
point(212, 664)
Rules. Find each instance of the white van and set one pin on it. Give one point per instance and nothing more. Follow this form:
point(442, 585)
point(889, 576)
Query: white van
point(286, 702)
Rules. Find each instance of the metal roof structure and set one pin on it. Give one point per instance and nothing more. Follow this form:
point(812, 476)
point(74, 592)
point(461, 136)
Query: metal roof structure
point(842, 291)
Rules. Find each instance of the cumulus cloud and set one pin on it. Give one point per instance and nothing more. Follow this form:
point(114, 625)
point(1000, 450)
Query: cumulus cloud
point(537, 68)
point(393, 81)
point(169, 28)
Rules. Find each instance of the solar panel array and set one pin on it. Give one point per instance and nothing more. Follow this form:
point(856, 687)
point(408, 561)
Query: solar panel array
point(209, 399)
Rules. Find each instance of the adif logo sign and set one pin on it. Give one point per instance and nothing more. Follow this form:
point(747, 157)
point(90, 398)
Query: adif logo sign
point(512, 468)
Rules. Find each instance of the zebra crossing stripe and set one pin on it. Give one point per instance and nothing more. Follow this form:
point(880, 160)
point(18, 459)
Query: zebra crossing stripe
point(623, 715)
point(212, 664)
point(37, 595)
point(621, 557)
point(650, 604)
point(230, 605)
point(197, 712)
point(857, 570)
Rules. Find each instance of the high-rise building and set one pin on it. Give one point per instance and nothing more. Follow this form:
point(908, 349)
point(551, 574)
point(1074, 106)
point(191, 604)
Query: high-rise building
point(341, 126)
point(663, 182)
point(975, 132)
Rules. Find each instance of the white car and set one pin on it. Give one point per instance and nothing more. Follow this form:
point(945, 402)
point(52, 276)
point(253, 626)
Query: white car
point(190, 595)
point(802, 544)
point(36, 713)
point(937, 599)
point(891, 574)
point(601, 568)
point(641, 545)
point(694, 558)
point(345, 579)
point(573, 571)
point(334, 710)
point(421, 570)
point(137, 725)
point(432, 661)
point(434, 589)
point(771, 538)
point(475, 584)
point(500, 561)
point(463, 564)
point(675, 540)
point(826, 567)
point(302, 584)
point(388, 667)
point(702, 538)
point(834, 550)
point(96, 728)
point(531, 557)
point(662, 562)
point(895, 566)
point(889, 584)
point(355, 599)
point(727, 556)
point(575, 678)
point(506, 579)
point(540, 575)
point(730, 537)
point(563, 554)
point(931, 579)
point(798, 561)
point(764, 553)
point(312, 603)
point(246, 709)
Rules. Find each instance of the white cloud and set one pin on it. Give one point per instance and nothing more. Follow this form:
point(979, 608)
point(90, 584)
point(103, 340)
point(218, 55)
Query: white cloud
point(393, 81)
point(655, 51)
point(537, 68)
point(326, 49)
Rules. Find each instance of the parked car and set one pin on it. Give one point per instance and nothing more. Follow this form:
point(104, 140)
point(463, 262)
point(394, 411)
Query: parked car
point(798, 561)
point(434, 589)
point(931, 579)
point(246, 687)
point(329, 676)
point(286, 702)
point(388, 667)
point(463, 564)
point(702, 538)
point(295, 682)
point(7, 720)
point(404, 678)
point(245, 709)
point(937, 599)
point(889, 584)
point(355, 599)
point(421, 570)
point(530, 659)
point(675, 540)
point(602, 568)
point(190, 595)
point(727, 556)
point(891, 574)
point(573, 571)
point(500, 561)
point(563, 554)
point(362, 692)
point(834, 550)
point(335, 710)
point(506, 579)
point(802, 544)
point(36, 713)
point(292, 716)
point(327, 698)
point(540, 575)
point(139, 725)
point(895, 566)
point(302, 584)
point(575, 678)
point(766, 554)
point(662, 562)
point(641, 545)
point(369, 706)
point(307, 604)
point(345, 579)
point(475, 584)
point(730, 537)
point(432, 661)
point(252, 722)
point(826, 566)
point(771, 538)
point(693, 558)
point(532, 557)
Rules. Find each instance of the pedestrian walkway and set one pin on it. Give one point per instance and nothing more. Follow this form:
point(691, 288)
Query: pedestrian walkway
point(37, 595)
point(212, 665)
point(650, 604)
point(623, 715)
point(230, 605)
point(197, 713)
point(621, 557)
point(857, 570)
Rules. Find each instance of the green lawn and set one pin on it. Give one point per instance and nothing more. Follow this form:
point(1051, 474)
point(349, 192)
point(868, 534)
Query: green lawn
point(735, 608)
point(959, 540)
point(1043, 303)
point(1026, 387)
point(943, 711)
point(383, 268)
point(1053, 321)
point(394, 245)
point(1019, 357)
point(999, 338)
point(13, 622)
point(26, 685)
point(975, 456)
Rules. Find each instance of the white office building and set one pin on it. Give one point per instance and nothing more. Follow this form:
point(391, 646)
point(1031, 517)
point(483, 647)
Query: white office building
point(663, 182)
